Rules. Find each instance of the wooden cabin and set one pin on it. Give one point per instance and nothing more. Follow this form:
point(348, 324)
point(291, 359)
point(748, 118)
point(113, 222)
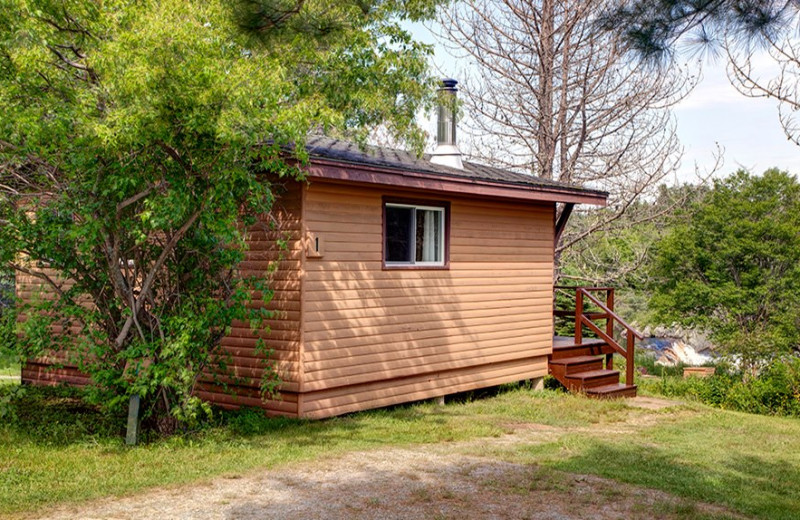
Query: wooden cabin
point(405, 278)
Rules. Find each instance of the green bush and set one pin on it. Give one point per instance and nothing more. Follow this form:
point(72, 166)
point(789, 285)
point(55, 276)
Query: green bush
point(8, 335)
point(775, 391)
point(55, 415)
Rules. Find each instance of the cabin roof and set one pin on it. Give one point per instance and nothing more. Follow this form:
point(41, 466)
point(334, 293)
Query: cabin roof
point(399, 168)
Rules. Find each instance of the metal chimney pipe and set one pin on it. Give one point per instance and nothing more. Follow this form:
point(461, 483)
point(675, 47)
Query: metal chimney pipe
point(447, 152)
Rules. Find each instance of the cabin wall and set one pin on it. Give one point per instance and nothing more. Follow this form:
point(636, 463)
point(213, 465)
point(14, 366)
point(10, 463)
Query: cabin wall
point(282, 266)
point(374, 337)
point(56, 367)
point(283, 338)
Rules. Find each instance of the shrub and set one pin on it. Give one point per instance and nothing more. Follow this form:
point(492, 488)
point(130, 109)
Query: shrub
point(8, 332)
point(775, 391)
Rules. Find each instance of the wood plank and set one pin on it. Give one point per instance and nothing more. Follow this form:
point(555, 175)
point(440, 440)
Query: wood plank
point(267, 335)
point(375, 334)
point(473, 325)
point(320, 191)
point(275, 325)
point(327, 350)
point(386, 317)
point(367, 308)
point(249, 343)
point(372, 395)
point(500, 272)
point(395, 297)
point(287, 385)
point(375, 265)
point(283, 405)
point(400, 371)
point(263, 268)
point(329, 377)
point(434, 347)
point(287, 370)
point(287, 360)
point(409, 281)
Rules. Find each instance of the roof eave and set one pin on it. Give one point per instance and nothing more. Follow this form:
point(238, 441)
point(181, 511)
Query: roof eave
point(369, 174)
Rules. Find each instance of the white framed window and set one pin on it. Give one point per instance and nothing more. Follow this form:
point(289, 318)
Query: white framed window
point(415, 235)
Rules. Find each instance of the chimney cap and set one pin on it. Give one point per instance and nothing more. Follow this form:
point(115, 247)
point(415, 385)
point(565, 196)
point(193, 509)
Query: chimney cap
point(449, 83)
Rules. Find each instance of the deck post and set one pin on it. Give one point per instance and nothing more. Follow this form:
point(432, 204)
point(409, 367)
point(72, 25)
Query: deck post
point(610, 325)
point(629, 359)
point(578, 316)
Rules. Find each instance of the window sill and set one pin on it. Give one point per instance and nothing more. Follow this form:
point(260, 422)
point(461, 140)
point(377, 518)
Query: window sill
point(415, 267)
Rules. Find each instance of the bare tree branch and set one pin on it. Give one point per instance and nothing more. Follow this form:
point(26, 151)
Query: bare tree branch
point(546, 93)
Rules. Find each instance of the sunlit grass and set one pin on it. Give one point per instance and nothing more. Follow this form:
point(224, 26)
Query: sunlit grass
point(58, 451)
point(748, 463)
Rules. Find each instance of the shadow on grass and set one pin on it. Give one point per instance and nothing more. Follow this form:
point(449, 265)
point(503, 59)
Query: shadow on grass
point(54, 416)
point(57, 416)
point(748, 484)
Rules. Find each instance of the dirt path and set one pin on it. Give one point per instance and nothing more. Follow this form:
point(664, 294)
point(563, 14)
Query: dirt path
point(426, 482)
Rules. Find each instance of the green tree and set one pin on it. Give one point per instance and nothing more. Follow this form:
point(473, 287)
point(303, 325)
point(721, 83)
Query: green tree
point(733, 266)
point(653, 27)
point(137, 137)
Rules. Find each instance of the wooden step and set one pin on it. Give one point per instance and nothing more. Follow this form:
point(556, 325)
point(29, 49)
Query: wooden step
point(613, 391)
point(564, 347)
point(592, 378)
point(565, 366)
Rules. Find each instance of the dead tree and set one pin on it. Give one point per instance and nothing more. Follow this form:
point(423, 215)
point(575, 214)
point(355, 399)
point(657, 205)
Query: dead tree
point(547, 93)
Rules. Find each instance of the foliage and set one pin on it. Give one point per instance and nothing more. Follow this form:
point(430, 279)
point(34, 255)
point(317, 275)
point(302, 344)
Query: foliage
point(775, 391)
point(653, 28)
point(733, 266)
point(141, 142)
point(56, 415)
point(8, 319)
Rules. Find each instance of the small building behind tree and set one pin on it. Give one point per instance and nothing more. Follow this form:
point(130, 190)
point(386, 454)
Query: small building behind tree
point(396, 278)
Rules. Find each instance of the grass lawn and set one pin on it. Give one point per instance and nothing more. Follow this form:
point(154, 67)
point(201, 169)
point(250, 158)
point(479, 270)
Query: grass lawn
point(11, 370)
point(9, 366)
point(55, 450)
point(748, 463)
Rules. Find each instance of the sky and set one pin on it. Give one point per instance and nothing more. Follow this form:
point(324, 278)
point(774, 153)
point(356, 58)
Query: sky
point(714, 116)
point(747, 129)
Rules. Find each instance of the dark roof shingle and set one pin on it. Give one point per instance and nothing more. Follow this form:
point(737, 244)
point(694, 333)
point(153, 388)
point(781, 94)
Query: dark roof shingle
point(348, 152)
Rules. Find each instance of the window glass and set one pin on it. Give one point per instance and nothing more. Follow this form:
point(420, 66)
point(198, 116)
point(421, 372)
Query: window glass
point(414, 234)
point(399, 223)
point(428, 238)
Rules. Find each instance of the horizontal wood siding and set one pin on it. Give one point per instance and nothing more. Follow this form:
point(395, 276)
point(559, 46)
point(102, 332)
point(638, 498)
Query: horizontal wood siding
point(281, 333)
point(337, 401)
point(56, 367)
point(373, 337)
point(245, 363)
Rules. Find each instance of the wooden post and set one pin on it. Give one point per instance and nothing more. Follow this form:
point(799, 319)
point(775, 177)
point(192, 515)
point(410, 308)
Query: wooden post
point(578, 316)
point(132, 435)
point(562, 222)
point(629, 359)
point(610, 326)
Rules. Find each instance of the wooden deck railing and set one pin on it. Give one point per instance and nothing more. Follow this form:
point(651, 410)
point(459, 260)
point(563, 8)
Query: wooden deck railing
point(584, 318)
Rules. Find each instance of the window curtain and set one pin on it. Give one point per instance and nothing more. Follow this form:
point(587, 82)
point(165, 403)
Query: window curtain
point(430, 239)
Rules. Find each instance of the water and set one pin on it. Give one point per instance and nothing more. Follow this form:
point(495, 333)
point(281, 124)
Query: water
point(675, 351)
